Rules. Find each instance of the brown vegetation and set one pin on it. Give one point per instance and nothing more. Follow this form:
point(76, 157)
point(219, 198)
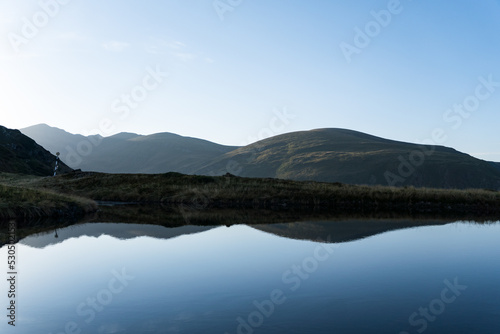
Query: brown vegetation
point(202, 192)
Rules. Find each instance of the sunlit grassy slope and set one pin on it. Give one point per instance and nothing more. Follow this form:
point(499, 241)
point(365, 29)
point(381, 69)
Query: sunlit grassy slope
point(339, 155)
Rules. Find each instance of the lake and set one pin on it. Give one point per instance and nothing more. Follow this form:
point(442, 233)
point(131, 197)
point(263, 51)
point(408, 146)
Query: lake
point(316, 277)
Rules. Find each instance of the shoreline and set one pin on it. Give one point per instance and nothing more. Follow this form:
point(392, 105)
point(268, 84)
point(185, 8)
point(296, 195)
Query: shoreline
point(77, 193)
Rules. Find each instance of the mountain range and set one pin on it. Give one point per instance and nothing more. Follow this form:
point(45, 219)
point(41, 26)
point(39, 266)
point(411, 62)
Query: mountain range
point(329, 155)
point(127, 152)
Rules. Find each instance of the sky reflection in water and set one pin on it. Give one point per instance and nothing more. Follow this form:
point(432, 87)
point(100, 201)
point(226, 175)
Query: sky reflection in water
point(219, 279)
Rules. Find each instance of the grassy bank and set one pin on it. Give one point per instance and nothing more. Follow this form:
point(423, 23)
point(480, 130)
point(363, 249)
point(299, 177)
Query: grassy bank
point(25, 203)
point(202, 192)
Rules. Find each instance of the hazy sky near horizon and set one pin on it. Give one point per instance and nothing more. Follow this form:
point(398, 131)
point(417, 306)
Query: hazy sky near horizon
point(401, 70)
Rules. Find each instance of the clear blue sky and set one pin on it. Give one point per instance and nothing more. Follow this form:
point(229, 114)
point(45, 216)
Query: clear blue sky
point(228, 77)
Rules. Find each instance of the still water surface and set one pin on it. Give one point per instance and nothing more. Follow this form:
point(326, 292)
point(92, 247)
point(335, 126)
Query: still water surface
point(125, 278)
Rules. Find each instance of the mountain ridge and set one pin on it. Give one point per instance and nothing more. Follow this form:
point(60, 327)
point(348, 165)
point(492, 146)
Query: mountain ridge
point(127, 152)
point(327, 155)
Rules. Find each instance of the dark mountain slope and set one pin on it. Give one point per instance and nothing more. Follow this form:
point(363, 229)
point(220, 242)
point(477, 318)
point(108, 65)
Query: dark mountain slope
point(22, 155)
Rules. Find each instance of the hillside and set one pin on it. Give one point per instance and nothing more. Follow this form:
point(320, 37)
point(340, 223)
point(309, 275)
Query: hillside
point(22, 155)
point(338, 155)
point(127, 152)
